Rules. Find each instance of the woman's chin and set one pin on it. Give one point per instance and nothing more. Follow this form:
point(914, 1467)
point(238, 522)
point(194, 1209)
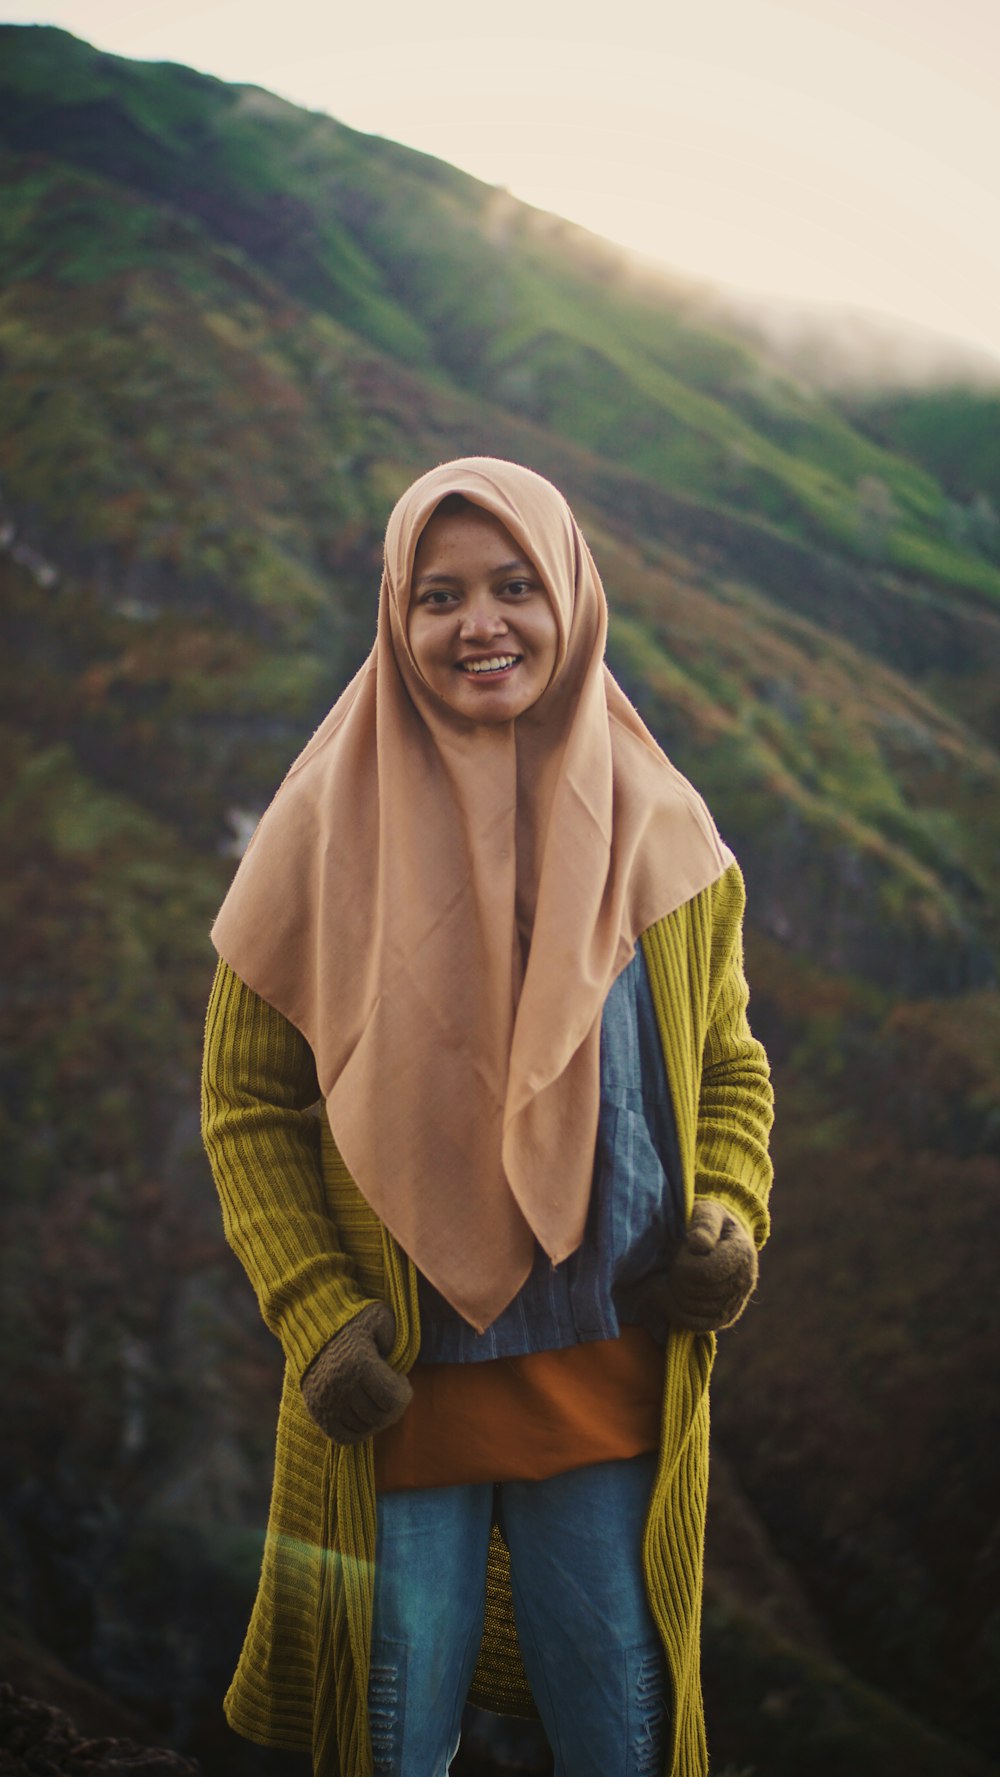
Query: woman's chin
point(501, 697)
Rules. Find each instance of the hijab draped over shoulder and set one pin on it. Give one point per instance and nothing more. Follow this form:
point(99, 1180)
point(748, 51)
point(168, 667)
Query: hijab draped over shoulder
point(441, 906)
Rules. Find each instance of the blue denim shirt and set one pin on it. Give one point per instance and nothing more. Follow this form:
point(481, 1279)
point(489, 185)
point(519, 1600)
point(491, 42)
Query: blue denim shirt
point(636, 1214)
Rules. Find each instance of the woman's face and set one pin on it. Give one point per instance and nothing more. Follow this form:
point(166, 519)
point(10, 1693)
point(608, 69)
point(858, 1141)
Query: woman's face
point(481, 625)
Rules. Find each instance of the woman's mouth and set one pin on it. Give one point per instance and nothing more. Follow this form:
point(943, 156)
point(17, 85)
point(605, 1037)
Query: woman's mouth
point(497, 663)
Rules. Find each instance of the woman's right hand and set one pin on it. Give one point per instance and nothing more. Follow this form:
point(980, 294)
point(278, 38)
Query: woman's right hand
point(350, 1390)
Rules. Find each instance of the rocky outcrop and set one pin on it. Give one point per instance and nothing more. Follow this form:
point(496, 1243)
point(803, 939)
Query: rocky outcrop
point(37, 1740)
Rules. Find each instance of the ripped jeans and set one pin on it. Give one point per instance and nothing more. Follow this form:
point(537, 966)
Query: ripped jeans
point(589, 1644)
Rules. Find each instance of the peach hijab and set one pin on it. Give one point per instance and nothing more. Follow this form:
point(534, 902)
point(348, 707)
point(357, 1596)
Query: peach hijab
point(378, 904)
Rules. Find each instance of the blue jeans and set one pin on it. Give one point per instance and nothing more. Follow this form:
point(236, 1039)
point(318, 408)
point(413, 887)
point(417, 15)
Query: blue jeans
point(589, 1644)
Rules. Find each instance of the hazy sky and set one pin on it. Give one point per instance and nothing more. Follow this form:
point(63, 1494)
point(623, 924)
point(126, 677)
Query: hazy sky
point(839, 150)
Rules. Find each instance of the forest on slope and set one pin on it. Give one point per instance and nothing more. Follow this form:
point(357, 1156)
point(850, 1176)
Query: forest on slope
point(230, 333)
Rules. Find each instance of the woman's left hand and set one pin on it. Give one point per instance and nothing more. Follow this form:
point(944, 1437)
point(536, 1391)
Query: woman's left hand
point(714, 1274)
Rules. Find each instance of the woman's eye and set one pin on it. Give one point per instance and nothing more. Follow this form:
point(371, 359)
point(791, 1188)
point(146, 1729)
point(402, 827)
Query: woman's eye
point(518, 587)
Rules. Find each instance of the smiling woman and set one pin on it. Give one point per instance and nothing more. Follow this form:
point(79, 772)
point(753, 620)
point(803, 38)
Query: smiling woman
point(481, 625)
point(492, 937)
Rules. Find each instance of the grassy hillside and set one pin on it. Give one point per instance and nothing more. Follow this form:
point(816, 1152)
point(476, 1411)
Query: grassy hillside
point(230, 333)
point(457, 280)
point(953, 432)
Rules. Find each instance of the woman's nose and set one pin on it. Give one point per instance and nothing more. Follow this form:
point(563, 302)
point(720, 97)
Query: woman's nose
point(481, 617)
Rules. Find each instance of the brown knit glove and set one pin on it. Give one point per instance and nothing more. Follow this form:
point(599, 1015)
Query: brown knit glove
point(349, 1388)
point(714, 1274)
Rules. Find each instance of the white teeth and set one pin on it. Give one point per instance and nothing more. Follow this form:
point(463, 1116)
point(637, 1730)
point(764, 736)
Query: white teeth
point(494, 665)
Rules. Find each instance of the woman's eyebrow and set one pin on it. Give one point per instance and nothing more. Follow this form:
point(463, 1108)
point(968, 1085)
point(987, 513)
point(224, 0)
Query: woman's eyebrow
point(508, 567)
point(505, 567)
point(434, 574)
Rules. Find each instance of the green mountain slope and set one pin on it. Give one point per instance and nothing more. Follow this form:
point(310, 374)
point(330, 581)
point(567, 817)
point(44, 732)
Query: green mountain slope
point(230, 333)
point(953, 432)
point(457, 279)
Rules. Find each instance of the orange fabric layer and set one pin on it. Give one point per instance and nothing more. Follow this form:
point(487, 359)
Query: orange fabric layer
point(376, 908)
point(526, 1418)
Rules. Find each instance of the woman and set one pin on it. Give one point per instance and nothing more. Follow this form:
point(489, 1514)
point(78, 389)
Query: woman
point(489, 930)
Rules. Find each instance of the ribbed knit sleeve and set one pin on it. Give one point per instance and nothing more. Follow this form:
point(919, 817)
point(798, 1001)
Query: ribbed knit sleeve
point(718, 1072)
point(258, 1087)
point(736, 1102)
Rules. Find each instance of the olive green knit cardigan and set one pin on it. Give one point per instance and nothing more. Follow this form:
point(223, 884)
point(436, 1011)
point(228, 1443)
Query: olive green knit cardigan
point(316, 1254)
